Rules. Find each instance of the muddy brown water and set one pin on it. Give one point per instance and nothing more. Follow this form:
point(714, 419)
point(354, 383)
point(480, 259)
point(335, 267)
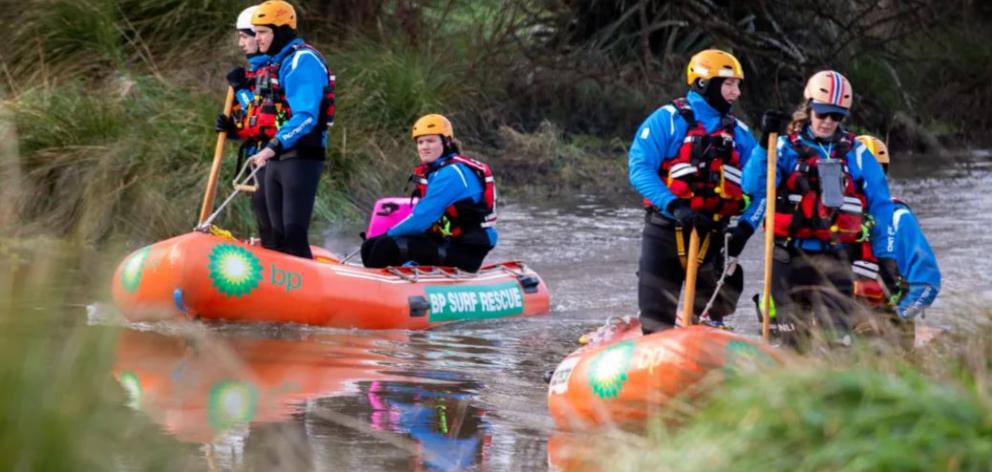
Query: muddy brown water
point(470, 396)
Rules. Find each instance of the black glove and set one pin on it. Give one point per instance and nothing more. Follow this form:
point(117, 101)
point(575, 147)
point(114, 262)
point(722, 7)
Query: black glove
point(687, 218)
point(225, 124)
point(237, 78)
point(738, 238)
point(888, 270)
point(772, 121)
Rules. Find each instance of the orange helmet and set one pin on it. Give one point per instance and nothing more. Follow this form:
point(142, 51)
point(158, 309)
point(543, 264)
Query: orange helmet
point(274, 12)
point(877, 148)
point(829, 92)
point(432, 124)
point(713, 63)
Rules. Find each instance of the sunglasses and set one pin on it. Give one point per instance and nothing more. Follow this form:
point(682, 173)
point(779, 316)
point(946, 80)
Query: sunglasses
point(838, 117)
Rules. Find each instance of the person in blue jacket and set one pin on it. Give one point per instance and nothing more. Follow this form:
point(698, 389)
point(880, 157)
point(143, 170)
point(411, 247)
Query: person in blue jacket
point(917, 263)
point(238, 125)
point(686, 162)
point(452, 223)
point(827, 182)
point(295, 91)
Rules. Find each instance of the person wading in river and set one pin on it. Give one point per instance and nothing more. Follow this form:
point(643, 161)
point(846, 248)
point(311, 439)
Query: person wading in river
point(452, 224)
point(826, 183)
point(241, 123)
point(686, 162)
point(295, 91)
point(920, 282)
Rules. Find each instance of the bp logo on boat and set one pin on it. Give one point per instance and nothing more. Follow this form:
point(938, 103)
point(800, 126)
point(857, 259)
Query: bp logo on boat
point(133, 267)
point(608, 370)
point(234, 271)
point(231, 403)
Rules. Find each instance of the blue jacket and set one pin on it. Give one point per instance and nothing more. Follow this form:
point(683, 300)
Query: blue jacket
point(917, 263)
point(864, 169)
point(445, 186)
point(303, 76)
point(659, 139)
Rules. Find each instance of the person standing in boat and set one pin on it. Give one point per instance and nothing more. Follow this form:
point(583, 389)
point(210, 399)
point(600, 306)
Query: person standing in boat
point(295, 94)
point(827, 183)
point(452, 224)
point(686, 162)
point(920, 282)
point(241, 123)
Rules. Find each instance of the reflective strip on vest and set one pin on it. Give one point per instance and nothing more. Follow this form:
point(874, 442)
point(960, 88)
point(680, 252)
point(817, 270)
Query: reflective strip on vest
point(852, 205)
point(681, 170)
point(732, 174)
point(795, 198)
point(866, 269)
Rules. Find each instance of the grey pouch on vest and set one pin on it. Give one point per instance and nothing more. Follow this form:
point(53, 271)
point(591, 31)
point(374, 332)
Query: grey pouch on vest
point(831, 176)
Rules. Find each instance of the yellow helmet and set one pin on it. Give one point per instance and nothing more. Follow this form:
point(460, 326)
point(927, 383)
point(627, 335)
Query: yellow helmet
point(432, 124)
point(877, 148)
point(713, 63)
point(829, 92)
point(276, 13)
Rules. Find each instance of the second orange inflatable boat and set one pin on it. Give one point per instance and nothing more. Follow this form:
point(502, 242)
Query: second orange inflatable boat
point(631, 377)
point(199, 275)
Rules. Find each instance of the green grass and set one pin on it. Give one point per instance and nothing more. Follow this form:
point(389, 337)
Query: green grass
point(60, 407)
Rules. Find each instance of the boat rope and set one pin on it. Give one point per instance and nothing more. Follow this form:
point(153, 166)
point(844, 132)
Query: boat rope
point(729, 265)
point(238, 188)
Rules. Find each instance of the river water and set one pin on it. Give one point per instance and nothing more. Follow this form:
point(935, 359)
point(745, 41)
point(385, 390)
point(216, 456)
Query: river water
point(467, 396)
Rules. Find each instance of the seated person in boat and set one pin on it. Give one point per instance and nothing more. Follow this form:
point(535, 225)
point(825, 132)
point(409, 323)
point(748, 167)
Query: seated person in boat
point(452, 224)
point(919, 283)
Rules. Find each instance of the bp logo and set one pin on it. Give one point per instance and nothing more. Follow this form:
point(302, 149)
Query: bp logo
point(608, 370)
point(234, 271)
point(132, 386)
point(230, 403)
point(135, 264)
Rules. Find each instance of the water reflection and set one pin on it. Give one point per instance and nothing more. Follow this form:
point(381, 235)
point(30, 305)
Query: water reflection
point(304, 400)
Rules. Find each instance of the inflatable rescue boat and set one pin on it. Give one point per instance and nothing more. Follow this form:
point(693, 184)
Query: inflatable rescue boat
point(205, 276)
point(632, 377)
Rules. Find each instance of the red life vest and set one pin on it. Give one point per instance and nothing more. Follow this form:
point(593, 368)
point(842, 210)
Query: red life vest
point(464, 214)
point(800, 214)
point(241, 116)
point(271, 109)
point(707, 169)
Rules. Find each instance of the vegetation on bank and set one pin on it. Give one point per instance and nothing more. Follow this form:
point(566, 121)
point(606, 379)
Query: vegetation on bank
point(108, 105)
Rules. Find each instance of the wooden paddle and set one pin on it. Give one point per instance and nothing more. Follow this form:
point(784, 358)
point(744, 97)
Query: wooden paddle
point(691, 269)
point(211, 192)
point(766, 299)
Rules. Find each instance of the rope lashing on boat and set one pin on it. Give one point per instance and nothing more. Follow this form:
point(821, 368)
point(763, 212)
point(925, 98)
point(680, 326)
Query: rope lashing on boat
point(729, 265)
point(238, 188)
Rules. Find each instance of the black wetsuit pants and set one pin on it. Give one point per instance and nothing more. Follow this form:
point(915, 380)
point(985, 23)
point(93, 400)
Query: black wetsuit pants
point(262, 212)
point(660, 276)
point(290, 189)
point(384, 251)
point(812, 288)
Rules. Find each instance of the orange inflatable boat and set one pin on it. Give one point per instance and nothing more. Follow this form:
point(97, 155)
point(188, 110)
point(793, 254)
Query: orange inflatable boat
point(630, 378)
point(199, 275)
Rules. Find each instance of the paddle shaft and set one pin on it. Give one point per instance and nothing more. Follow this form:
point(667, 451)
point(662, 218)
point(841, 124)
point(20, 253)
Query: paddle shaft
point(211, 192)
point(766, 299)
point(691, 269)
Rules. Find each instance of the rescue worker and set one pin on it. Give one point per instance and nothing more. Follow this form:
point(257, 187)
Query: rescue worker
point(686, 162)
point(920, 282)
point(452, 223)
point(238, 124)
point(826, 183)
point(295, 100)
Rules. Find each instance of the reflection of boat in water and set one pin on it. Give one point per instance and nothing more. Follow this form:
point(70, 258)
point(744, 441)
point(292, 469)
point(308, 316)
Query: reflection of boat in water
point(330, 385)
point(630, 379)
point(199, 275)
